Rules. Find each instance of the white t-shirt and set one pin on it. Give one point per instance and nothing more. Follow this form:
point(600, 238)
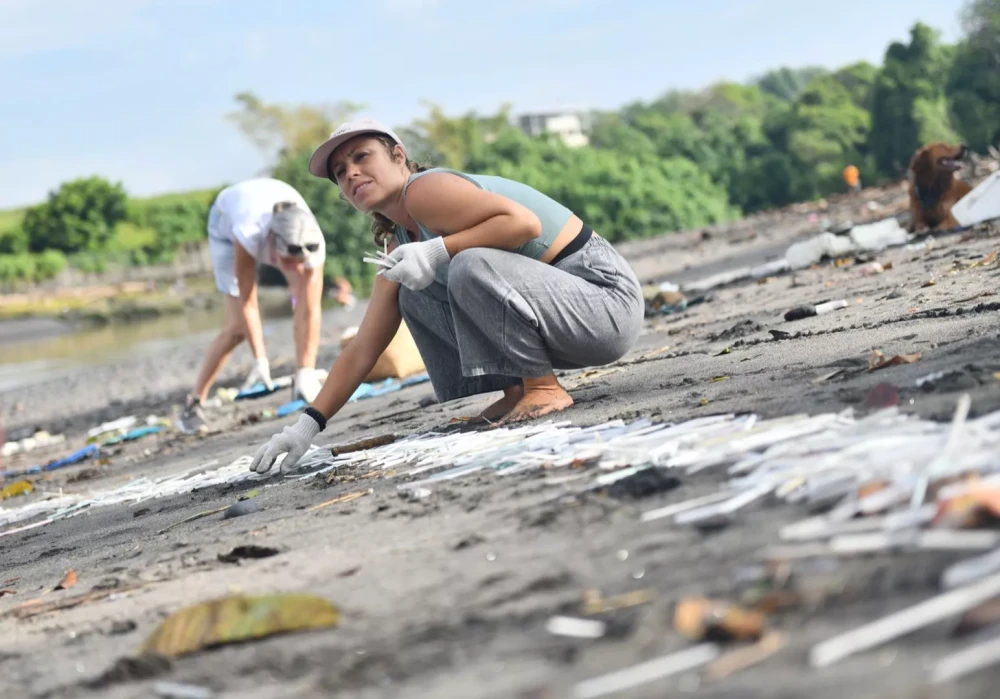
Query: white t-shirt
point(244, 213)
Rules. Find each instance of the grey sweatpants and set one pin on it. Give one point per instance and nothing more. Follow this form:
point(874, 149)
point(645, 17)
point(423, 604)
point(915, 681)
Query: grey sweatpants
point(504, 316)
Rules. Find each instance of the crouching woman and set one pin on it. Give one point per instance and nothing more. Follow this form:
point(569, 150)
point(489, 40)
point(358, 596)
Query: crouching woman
point(498, 284)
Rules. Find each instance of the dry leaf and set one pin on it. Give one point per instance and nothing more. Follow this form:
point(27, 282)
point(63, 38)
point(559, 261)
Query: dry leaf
point(68, 581)
point(699, 619)
point(237, 619)
point(878, 360)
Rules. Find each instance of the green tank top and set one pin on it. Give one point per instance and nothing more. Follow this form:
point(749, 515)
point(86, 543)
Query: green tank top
point(551, 213)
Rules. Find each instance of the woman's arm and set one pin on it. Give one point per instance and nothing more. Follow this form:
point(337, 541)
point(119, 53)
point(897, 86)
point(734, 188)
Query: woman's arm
point(377, 329)
point(467, 216)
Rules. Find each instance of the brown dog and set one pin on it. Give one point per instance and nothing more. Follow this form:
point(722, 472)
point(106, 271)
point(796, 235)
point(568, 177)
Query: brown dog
point(934, 189)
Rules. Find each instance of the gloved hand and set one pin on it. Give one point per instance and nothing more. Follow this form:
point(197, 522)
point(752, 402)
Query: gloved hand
point(308, 384)
point(413, 264)
point(293, 441)
point(261, 373)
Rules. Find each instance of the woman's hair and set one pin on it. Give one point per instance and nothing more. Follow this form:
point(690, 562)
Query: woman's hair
point(382, 227)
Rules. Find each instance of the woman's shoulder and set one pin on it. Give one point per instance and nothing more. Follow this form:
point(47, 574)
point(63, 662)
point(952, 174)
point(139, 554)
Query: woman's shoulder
point(439, 171)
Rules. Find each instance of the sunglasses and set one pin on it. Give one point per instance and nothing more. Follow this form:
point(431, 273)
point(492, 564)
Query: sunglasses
point(295, 250)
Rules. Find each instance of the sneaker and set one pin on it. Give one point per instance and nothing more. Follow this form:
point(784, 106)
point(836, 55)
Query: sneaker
point(192, 417)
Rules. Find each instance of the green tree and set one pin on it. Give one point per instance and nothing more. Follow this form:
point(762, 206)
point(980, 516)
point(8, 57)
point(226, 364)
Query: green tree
point(828, 131)
point(276, 128)
point(981, 23)
point(974, 82)
point(13, 240)
point(787, 83)
point(909, 108)
point(80, 215)
point(622, 196)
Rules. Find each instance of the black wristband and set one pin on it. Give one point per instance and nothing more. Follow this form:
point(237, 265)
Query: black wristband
point(317, 416)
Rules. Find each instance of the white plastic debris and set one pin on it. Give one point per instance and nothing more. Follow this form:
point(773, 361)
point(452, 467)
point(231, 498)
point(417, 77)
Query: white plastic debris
point(981, 204)
point(873, 237)
point(646, 672)
point(936, 609)
point(574, 627)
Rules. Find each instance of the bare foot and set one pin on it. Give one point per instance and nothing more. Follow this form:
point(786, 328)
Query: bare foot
point(541, 397)
point(511, 396)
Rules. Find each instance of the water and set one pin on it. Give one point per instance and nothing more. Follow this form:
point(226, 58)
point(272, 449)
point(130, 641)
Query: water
point(26, 358)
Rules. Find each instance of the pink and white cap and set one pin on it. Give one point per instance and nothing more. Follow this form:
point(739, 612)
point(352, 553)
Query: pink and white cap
point(344, 132)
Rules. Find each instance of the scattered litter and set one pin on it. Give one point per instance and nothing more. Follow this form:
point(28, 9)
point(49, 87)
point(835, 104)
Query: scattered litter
point(871, 268)
point(16, 488)
point(176, 690)
point(878, 360)
point(68, 581)
point(241, 508)
point(646, 672)
point(340, 499)
point(980, 204)
point(741, 658)
point(575, 628)
point(238, 619)
point(905, 621)
point(248, 551)
point(701, 619)
point(39, 440)
point(966, 661)
point(41, 606)
point(363, 444)
point(594, 603)
point(133, 435)
point(199, 515)
point(802, 312)
point(74, 458)
point(365, 390)
point(884, 395)
point(663, 300)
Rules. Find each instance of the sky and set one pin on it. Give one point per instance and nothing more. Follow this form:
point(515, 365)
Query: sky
point(137, 90)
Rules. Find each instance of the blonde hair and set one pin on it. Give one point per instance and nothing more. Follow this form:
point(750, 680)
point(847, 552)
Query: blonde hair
point(382, 228)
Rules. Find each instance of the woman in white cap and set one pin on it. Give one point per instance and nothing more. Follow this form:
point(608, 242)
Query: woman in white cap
point(498, 284)
point(263, 221)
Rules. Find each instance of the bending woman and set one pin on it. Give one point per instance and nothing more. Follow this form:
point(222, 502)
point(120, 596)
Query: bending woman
point(498, 284)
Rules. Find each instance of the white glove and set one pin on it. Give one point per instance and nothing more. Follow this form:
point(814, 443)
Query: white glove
point(293, 441)
point(308, 384)
point(261, 373)
point(413, 264)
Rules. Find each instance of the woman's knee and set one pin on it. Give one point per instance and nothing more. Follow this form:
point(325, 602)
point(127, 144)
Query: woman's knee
point(469, 269)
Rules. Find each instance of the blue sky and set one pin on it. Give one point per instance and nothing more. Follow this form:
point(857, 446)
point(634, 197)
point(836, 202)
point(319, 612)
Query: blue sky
point(137, 90)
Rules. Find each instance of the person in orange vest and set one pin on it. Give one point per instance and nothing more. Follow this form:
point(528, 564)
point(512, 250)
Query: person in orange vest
point(852, 178)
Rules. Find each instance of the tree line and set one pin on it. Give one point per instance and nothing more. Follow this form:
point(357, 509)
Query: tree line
point(685, 160)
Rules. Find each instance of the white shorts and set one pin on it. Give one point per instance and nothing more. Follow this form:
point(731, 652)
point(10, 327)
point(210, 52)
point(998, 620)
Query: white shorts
point(220, 247)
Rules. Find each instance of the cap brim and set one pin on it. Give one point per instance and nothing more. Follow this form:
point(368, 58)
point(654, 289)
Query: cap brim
point(321, 156)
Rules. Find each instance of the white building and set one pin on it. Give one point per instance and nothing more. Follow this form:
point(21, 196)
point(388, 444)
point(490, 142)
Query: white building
point(569, 126)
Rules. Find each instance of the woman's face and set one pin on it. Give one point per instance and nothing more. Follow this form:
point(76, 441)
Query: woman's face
point(366, 172)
